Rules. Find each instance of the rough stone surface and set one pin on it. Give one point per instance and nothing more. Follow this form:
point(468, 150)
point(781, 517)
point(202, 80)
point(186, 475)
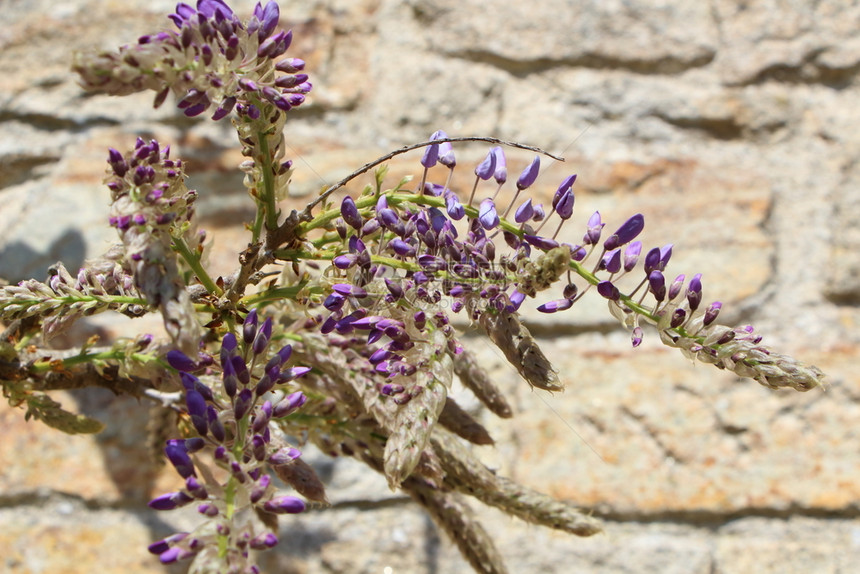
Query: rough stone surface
point(732, 126)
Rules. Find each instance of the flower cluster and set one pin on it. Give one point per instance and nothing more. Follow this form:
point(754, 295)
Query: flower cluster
point(152, 211)
point(213, 58)
point(230, 422)
point(419, 258)
point(103, 284)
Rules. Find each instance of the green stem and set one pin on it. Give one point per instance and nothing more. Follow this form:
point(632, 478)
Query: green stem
point(193, 261)
point(268, 198)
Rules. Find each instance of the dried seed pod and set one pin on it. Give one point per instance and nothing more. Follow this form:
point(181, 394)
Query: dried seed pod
point(521, 350)
point(474, 378)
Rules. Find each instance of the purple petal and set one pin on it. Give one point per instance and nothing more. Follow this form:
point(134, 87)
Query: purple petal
point(524, 212)
point(543, 243)
point(350, 213)
point(592, 236)
point(285, 505)
point(487, 214)
point(556, 305)
point(529, 174)
point(631, 255)
point(501, 173)
point(180, 361)
point(612, 261)
point(626, 233)
point(564, 206)
point(694, 292)
point(486, 168)
point(657, 285)
point(608, 290)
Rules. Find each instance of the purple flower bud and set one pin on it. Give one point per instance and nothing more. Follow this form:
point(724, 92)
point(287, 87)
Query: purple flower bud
point(431, 152)
point(564, 187)
point(262, 417)
point(216, 427)
point(165, 543)
point(678, 318)
point(258, 447)
point(261, 340)
point(229, 343)
point(197, 490)
point(284, 455)
point(631, 255)
point(289, 404)
point(612, 261)
point(658, 258)
point(529, 174)
point(564, 207)
point(524, 212)
point(543, 243)
point(657, 285)
point(285, 505)
point(207, 509)
point(249, 327)
point(402, 248)
point(626, 233)
point(178, 457)
point(180, 361)
point(432, 263)
point(266, 383)
point(288, 375)
point(636, 336)
point(334, 302)
point(197, 410)
point(117, 162)
point(608, 290)
point(379, 355)
point(556, 305)
point(486, 168)
point(446, 154)
point(711, 313)
point(194, 444)
point(676, 286)
point(487, 214)
point(694, 292)
point(350, 213)
point(290, 65)
point(263, 541)
point(347, 289)
point(370, 227)
point(501, 172)
point(243, 403)
point(453, 206)
point(238, 473)
point(387, 218)
point(169, 501)
point(260, 488)
point(539, 213)
point(394, 288)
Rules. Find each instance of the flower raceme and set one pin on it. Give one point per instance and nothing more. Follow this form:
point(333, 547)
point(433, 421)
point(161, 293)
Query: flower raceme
point(212, 59)
point(231, 417)
point(430, 253)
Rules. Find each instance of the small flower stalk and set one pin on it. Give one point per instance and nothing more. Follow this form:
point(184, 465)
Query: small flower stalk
point(351, 345)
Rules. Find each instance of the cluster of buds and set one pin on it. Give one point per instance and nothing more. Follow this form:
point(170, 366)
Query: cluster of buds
point(430, 248)
point(100, 285)
point(229, 420)
point(212, 58)
point(152, 211)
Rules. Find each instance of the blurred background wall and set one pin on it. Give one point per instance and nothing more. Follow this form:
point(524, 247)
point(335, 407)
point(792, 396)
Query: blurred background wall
point(731, 125)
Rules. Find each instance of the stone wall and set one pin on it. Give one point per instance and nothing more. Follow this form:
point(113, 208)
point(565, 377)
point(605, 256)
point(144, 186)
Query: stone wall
point(732, 126)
